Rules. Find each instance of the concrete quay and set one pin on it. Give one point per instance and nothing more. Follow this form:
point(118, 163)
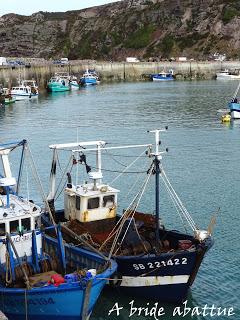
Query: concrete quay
point(116, 71)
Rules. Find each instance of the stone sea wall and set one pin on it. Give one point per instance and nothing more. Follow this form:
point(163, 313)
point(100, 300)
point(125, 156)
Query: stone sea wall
point(117, 71)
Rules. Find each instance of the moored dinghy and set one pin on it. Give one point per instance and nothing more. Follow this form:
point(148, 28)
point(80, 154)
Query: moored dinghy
point(153, 262)
point(40, 277)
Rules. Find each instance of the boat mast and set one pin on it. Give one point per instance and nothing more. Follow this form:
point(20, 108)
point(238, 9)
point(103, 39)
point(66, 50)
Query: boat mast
point(157, 157)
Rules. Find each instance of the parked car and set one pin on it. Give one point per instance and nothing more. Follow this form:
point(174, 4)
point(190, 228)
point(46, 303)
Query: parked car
point(12, 63)
point(56, 61)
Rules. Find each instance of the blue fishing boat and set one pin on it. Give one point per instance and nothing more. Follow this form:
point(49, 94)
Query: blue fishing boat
point(40, 276)
point(89, 78)
point(154, 262)
point(163, 76)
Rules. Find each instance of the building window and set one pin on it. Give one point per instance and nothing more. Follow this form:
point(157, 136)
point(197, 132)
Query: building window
point(93, 203)
point(108, 201)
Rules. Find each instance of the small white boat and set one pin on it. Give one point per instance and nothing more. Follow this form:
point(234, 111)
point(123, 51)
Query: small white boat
point(74, 82)
point(26, 89)
point(228, 75)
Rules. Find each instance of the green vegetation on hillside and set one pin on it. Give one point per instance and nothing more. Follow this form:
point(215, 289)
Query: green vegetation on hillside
point(229, 14)
point(141, 38)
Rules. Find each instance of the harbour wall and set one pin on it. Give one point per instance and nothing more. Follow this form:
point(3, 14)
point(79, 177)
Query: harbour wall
point(116, 71)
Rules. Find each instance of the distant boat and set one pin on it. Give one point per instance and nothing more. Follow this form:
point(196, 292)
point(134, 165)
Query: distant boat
point(41, 277)
point(6, 98)
point(74, 82)
point(228, 75)
point(9, 100)
point(163, 76)
point(234, 105)
point(89, 78)
point(58, 84)
point(26, 89)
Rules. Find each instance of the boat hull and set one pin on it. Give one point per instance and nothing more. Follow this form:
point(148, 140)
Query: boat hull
point(223, 76)
point(234, 110)
point(63, 302)
point(57, 88)
point(9, 101)
point(235, 114)
point(166, 277)
point(87, 82)
point(74, 86)
point(19, 97)
point(162, 79)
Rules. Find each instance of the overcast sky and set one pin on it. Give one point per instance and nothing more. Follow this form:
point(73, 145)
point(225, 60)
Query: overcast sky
point(27, 7)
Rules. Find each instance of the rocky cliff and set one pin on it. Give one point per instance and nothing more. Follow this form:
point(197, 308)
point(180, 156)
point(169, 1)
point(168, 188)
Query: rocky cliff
point(142, 28)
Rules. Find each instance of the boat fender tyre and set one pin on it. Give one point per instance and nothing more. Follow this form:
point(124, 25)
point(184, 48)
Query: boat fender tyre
point(116, 280)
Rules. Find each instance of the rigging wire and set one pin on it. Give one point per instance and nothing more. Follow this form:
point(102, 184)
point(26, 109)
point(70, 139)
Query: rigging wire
point(136, 206)
point(128, 213)
point(178, 201)
point(124, 171)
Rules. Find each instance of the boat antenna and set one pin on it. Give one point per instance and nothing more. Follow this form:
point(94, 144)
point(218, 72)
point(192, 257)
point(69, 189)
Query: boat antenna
point(236, 91)
point(24, 143)
point(157, 158)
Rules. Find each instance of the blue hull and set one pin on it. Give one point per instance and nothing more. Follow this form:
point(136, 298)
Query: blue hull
point(85, 82)
point(161, 77)
point(63, 302)
point(162, 277)
point(234, 106)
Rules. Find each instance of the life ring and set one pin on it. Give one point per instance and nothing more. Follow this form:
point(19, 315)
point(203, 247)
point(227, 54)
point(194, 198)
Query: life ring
point(116, 280)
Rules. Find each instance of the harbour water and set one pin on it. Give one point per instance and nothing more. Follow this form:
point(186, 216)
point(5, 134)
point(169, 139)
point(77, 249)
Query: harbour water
point(202, 164)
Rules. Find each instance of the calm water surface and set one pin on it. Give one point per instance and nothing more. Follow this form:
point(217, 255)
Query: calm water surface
point(203, 165)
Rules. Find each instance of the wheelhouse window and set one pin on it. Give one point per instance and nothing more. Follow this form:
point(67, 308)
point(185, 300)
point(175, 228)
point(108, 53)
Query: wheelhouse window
point(26, 224)
point(2, 229)
point(93, 203)
point(78, 202)
point(108, 201)
point(14, 226)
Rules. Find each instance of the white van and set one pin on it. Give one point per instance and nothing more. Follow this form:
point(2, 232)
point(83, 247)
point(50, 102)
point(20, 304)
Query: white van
point(132, 59)
point(3, 61)
point(64, 60)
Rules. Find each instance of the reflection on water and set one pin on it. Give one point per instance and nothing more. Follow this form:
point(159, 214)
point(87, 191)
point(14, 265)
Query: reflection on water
point(202, 163)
